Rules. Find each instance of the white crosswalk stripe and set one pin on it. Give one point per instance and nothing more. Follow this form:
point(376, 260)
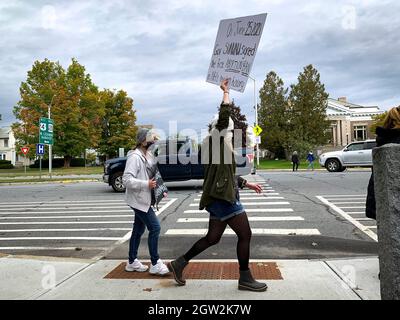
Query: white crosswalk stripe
point(259, 208)
point(354, 214)
point(58, 225)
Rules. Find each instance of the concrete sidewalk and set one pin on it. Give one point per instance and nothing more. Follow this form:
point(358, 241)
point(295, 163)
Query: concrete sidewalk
point(25, 277)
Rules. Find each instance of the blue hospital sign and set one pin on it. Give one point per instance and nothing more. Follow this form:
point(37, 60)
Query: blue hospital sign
point(40, 149)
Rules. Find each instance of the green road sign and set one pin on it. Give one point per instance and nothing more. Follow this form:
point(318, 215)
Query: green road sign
point(46, 131)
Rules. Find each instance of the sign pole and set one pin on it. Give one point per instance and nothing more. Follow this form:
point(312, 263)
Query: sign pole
point(50, 146)
point(40, 166)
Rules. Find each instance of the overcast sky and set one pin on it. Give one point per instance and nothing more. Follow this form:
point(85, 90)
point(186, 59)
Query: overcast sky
point(159, 51)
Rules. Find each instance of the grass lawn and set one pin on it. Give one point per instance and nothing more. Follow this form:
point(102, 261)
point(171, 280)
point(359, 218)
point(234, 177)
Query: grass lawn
point(20, 172)
point(284, 164)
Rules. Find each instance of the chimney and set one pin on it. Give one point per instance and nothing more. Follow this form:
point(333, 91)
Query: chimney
point(342, 99)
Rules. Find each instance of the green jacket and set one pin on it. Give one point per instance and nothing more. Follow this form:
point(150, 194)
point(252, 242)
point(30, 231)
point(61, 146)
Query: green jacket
point(220, 182)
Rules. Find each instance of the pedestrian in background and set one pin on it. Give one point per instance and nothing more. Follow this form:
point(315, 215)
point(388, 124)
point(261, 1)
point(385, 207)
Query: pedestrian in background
point(139, 181)
point(388, 133)
point(310, 159)
point(295, 161)
point(221, 199)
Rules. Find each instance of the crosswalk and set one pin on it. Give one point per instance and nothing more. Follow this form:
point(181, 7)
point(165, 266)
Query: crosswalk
point(352, 208)
point(67, 225)
point(269, 214)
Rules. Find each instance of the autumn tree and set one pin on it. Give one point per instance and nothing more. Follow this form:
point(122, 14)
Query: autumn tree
point(75, 108)
point(118, 123)
point(377, 121)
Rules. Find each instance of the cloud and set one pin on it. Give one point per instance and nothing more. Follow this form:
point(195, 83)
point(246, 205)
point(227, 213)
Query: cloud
point(159, 51)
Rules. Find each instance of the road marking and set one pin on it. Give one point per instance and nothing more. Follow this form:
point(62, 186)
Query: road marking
point(58, 206)
point(63, 230)
point(247, 210)
point(266, 193)
point(345, 215)
point(68, 217)
point(228, 231)
point(62, 201)
point(363, 219)
point(352, 202)
point(345, 196)
point(60, 238)
point(373, 227)
point(363, 207)
point(254, 198)
point(67, 222)
point(254, 204)
point(165, 206)
point(61, 212)
point(192, 220)
point(113, 207)
point(360, 212)
point(50, 248)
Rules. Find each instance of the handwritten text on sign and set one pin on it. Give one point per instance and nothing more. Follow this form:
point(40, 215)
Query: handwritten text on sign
point(234, 50)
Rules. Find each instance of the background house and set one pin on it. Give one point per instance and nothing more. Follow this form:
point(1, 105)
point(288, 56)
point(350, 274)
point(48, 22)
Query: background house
point(7, 145)
point(349, 122)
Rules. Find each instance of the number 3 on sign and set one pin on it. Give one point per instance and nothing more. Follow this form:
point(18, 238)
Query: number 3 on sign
point(43, 126)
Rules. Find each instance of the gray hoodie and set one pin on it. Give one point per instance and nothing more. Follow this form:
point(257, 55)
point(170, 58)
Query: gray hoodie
point(135, 179)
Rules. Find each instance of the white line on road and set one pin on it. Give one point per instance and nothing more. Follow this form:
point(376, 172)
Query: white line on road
point(363, 207)
point(352, 202)
point(344, 196)
point(247, 210)
point(61, 212)
point(51, 248)
point(349, 218)
point(60, 238)
point(253, 198)
point(255, 204)
point(67, 222)
point(190, 220)
point(69, 217)
point(304, 232)
point(65, 209)
point(164, 207)
point(59, 206)
point(63, 230)
point(62, 201)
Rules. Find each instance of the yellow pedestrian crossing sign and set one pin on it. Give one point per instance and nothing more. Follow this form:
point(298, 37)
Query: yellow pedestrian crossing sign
point(257, 130)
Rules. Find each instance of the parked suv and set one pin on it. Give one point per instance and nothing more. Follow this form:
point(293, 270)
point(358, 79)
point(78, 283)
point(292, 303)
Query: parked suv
point(170, 167)
point(356, 154)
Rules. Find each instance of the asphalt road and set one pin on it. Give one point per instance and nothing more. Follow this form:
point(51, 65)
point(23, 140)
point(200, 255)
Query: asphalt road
point(300, 215)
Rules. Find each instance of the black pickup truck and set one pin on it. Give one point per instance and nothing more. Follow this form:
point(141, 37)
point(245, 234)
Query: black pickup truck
point(170, 167)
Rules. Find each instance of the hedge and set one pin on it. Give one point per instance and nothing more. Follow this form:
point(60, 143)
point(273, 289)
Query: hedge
point(6, 166)
point(59, 163)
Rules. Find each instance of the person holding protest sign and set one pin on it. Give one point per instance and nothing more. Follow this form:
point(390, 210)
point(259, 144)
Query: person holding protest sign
point(221, 199)
point(139, 181)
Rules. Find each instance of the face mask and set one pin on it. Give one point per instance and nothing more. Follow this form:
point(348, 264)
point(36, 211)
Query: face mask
point(149, 144)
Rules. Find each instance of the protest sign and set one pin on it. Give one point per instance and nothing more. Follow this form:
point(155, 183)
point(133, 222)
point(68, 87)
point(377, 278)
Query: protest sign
point(235, 49)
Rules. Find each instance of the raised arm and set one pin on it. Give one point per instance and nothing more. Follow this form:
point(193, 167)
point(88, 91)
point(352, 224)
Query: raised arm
point(225, 110)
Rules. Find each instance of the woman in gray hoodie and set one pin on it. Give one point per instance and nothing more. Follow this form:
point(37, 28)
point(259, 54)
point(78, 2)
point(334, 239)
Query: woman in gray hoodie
point(138, 179)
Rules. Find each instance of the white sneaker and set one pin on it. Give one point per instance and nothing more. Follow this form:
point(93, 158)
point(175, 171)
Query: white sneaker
point(135, 266)
point(159, 269)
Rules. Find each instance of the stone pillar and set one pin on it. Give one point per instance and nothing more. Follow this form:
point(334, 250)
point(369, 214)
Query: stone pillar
point(386, 160)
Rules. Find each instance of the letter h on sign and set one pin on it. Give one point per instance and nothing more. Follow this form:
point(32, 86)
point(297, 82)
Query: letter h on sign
point(40, 149)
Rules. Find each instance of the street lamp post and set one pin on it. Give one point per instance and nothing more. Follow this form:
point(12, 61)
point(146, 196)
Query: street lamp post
point(256, 118)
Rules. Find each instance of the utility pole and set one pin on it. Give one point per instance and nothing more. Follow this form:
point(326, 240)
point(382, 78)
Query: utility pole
point(256, 118)
point(50, 146)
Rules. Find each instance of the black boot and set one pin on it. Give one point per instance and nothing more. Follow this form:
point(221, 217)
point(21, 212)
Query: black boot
point(176, 267)
point(247, 282)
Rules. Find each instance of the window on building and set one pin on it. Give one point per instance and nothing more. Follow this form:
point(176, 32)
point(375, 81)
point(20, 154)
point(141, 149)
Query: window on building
point(2, 156)
point(5, 143)
point(360, 133)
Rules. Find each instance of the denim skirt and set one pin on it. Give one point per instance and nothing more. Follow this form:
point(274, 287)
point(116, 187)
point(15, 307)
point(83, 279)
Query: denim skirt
point(223, 210)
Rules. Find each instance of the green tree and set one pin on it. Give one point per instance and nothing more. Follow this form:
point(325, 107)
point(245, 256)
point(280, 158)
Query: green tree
point(377, 121)
point(272, 114)
point(308, 126)
point(75, 108)
point(118, 123)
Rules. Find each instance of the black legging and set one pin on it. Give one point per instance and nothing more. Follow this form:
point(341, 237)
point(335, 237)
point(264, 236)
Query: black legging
point(240, 225)
point(295, 166)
